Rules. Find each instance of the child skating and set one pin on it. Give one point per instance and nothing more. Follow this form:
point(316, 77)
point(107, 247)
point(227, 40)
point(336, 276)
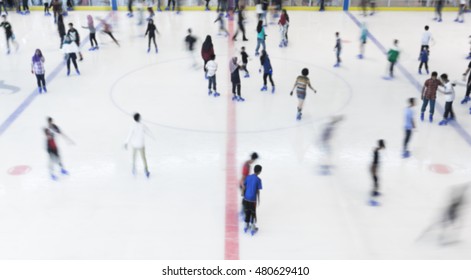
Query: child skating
point(423, 60)
point(151, 30)
point(245, 61)
point(393, 56)
point(251, 194)
point(8, 33)
point(37, 68)
point(235, 79)
point(211, 68)
point(222, 26)
point(267, 71)
point(363, 39)
point(91, 27)
point(301, 84)
point(449, 93)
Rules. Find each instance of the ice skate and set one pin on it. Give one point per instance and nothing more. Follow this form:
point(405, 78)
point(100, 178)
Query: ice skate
point(465, 100)
point(44, 89)
point(77, 71)
point(53, 177)
point(40, 90)
point(234, 98)
point(264, 88)
point(360, 56)
point(422, 116)
point(216, 94)
point(210, 92)
point(443, 122)
point(64, 172)
point(406, 154)
point(247, 75)
point(430, 118)
point(299, 116)
point(147, 173)
point(246, 228)
point(240, 99)
point(273, 90)
point(253, 230)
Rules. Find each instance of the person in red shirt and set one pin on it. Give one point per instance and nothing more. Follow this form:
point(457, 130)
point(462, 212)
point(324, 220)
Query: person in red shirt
point(283, 23)
point(51, 147)
point(246, 172)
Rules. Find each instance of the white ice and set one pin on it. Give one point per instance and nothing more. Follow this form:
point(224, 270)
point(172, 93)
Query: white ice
point(101, 211)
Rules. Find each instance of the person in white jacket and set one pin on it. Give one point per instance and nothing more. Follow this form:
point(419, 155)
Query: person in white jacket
point(136, 138)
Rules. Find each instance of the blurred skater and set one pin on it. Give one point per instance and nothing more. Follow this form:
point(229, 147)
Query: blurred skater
point(130, 12)
point(283, 23)
point(8, 33)
point(245, 61)
point(374, 172)
point(51, 146)
point(267, 71)
point(37, 68)
point(301, 85)
point(240, 25)
point(423, 58)
point(466, 98)
point(462, 8)
point(393, 56)
point(261, 37)
point(190, 41)
point(408, 126)
point(136, 138)
point(151, 30)
point(107, 30)
point(251, 193)
point(363, 38)
point(222, 26)
point(438, 10)
point(326, 140)
point(46, 8)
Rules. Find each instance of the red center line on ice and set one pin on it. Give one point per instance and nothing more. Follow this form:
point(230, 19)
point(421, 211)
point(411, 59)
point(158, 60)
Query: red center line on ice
point(231, 242)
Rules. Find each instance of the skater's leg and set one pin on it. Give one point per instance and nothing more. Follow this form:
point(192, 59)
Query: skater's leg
point(265, 75)
point(452, 114)
point(426, 66)
point(407, 138)
point(271, 80)
point(238, 90)
point(214, 82)
point(420, 66)
point(447, 110)
point(142, 151)
point(432, 106)
point(74, 60)
point(69, 58)
point(134, 154)
point(148, 44)
point(38, 80)
point(424, 105)
point(374, 175)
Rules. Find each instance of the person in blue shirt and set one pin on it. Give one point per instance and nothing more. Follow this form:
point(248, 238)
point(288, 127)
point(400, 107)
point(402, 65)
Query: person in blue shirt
point(409, 125)
point(267, 71)
point(251, 194)
point(423, 59)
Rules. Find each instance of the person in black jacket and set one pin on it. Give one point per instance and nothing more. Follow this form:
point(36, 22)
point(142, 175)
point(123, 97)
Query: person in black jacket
point(151, 30)
point(75, 36)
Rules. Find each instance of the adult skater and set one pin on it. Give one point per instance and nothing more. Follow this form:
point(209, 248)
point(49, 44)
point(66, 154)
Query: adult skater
point(190, 41)
point(245, 61)
point(8, 33)
point(251, 194)
point(460, 16)
point(429, 95)
point(261, 36)
point(426, 39)
point(136, 138)
point(54, 158)
point(151, 30)
point(466, 98)
point(438, 10)
point(207, 51)
point(70, 49)
point(364, 6)
point(374, 172)
point(37, 68)
point(235, 79)
point(326, 140)
point(170, 2)
point(107, 30)
point(423, 58)
point(321, 5)
point(75, 36)
point(301, 84)
point(25, 7)
point(267, 71)
point(240, 25)
point(246, 167)
point(222, 26)
point(207, 5)
point(449, 92)
point(408, 126)
point(393, 56)
point(338, 48)
point(283, 23)
point(91, 27)
point(211, 68)
point(363, 39)
point(56, 9)
point(61, 28)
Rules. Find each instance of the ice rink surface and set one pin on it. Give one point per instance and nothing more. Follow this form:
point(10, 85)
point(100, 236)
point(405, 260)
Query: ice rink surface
point(101, 211)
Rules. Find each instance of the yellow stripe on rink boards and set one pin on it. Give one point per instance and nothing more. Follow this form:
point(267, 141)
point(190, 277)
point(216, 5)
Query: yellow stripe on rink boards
point(289, 8)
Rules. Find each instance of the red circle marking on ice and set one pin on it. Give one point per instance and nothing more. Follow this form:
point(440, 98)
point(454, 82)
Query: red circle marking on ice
point(440, 168)
point(19, 170)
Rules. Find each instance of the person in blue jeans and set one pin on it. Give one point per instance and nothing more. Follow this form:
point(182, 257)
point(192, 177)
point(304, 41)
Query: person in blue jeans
point(423, 59)
point(429, 95)
point(260, 37)
point(408, 126)
point(251, 194)
point(267, 71)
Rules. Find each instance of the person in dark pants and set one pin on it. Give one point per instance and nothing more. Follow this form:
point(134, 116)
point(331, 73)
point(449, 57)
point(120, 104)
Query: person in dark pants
point(267, 71)
point(207, 5)
point(423, 60)
point(466, 98)
point(75, 36)
point(129, 14)
point(2, 4)
point(338, 49)
point(251, 194)
point(393, 56)
point(374, 172)
point(170, 2)
point(240, 25)
point(61, 28)
point(37, 68)
point(408, 126)
point(322, 5)
point(151, 30)
point(438, 10)
point(449, 92)
point(207, 50)
point(8, 33)
point(25, 7)
point(245, 61)
point(70, 50)
point(235, 79)
point(429, 94)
